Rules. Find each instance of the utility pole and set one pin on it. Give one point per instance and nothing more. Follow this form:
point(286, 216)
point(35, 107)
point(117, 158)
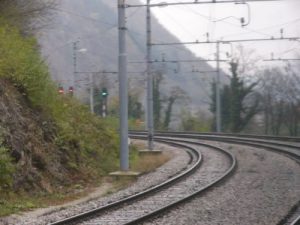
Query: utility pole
point(218, 94)
point(123, 89)
point(91, 78)
point(150, 123)
point(74, 66)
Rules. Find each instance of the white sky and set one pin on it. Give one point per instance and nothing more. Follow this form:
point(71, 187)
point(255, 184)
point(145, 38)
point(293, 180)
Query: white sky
point(192, 22)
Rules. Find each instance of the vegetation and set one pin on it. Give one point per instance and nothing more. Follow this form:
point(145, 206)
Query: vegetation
point(197, 123)
point(238, 100)
point(280, 101)
point(83, 146)
point(6, 169)
point(163, 104)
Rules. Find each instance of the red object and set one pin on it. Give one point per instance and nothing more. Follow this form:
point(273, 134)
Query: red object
point(71, 90)
point(61, 90)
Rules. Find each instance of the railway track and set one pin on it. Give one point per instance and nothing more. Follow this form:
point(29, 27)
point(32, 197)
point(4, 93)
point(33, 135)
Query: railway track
point(156, 200)
point(296, 221)
point(287, 146)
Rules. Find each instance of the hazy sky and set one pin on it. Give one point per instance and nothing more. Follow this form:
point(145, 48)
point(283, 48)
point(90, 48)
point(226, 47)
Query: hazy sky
point(221, 21)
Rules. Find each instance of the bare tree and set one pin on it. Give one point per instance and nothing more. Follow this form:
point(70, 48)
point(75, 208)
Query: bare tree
point(281, 100)
point(29, 15)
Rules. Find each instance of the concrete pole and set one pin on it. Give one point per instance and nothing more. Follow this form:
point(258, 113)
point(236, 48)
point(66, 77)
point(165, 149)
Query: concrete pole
point(91, 76)
point(218, 97)
point(74, 66)
point(150, 123)
point(123, 89)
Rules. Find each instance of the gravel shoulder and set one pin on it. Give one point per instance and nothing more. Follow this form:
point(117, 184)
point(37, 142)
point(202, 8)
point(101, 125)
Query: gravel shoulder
point(261, 192)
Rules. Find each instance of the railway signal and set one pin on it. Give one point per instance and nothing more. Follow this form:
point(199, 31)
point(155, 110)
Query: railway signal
point(104, 94)
point(61, 90)
point(71, 90)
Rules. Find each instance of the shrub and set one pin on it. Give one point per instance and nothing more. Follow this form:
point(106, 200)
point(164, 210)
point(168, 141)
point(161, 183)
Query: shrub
point(6, 169)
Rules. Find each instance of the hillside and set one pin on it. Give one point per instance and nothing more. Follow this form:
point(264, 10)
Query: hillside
point(48, 142)
point(94, 24)
point(31, 140)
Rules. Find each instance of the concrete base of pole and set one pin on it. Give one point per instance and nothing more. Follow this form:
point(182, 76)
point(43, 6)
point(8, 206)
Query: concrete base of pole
point(124, 175)
point(150, 152)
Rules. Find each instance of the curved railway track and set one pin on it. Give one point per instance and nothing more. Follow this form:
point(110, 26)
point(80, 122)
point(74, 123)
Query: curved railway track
point(162, 197)
point(287, 146)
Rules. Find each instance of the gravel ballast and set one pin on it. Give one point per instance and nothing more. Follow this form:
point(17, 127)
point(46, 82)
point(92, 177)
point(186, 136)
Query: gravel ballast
point(261, 192)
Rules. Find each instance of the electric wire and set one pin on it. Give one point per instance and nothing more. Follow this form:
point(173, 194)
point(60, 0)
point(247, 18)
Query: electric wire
point(224, 21)
point(178, 24)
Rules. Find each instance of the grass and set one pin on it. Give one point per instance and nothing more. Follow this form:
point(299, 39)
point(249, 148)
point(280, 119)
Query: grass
point(14, 203)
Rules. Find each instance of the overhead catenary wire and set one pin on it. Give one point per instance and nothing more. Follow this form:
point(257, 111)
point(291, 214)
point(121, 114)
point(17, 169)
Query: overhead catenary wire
point(224, 21)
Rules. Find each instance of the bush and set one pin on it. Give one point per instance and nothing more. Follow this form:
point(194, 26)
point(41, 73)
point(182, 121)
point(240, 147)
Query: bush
point(6, 169)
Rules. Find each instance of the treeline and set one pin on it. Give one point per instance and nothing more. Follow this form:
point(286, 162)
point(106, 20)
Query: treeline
point(267, 104)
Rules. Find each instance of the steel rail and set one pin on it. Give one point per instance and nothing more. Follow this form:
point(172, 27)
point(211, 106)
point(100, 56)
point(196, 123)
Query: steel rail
point(196, 193)
point(268, 137)
point(164, 184)
point(296, 221)
point(238, 140)
point(257, 144)
point(148, 191)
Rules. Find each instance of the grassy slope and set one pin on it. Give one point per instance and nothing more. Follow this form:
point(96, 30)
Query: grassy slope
point(46, 140)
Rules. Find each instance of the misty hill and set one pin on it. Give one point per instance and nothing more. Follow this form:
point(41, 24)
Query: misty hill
point(94, 24)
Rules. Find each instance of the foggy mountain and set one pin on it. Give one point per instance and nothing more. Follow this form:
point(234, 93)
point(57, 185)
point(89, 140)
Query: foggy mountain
point(94, 24)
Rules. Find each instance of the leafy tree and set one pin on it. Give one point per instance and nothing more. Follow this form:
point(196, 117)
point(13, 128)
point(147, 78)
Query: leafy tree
point(135, 110)
point(157, 102)
point(238, 100)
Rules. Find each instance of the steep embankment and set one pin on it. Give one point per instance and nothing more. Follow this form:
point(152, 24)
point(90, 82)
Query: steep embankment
point(30, 138)
point(47, 141)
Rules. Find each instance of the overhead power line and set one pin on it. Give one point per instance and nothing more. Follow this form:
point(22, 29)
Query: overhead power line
point(177, 61)
point(281, 59)
point(196, 2)
point(229, 41)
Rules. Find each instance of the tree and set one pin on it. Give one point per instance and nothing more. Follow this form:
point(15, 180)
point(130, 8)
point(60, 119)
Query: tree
point(135, 110)
point(157, 102)
point(281, 101)
point(163, 104)
point(29, 15)
point(176, 94)
point(239, 102)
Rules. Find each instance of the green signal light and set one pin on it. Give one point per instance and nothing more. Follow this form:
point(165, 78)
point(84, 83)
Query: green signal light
point(104, 92)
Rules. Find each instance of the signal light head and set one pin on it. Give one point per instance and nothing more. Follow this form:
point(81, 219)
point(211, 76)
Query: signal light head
point(61, 90)
point(104, 92)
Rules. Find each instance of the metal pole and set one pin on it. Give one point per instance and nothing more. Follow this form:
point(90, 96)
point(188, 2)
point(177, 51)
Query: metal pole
point(149, 81)
point(92, 92)
point(104, 108)
point(218, 100)
point(74, 65)
point(123, 89)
